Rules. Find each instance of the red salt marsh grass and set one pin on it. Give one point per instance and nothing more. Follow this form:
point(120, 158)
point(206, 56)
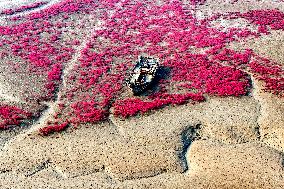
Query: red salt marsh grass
point(195, 54)
point(11, 116)
point(53, 128)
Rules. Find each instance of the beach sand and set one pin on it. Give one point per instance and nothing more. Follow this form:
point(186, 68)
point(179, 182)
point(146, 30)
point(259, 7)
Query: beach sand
point(223, 142)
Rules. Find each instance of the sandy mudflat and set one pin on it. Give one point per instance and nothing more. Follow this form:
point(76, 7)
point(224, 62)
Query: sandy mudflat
point(222, 142)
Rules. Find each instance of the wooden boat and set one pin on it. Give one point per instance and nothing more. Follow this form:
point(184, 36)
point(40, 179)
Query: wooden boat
point(143, 74)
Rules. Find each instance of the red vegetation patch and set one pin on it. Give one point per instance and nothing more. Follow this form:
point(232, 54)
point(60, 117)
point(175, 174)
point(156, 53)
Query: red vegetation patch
point(44, 55)
point(55, 72)
point(86, 112)
point(37, 40)
point(11, 116)
point(269, 72)
point(53, 128)
point(144, 30)
point(132, 106)
point(264, 18)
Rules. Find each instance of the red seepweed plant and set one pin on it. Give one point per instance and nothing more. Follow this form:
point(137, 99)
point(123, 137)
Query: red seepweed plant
point(12, 116)
point(53, 128)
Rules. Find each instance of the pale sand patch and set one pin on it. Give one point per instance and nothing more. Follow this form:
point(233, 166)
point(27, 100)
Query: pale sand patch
point(92, 150)
point(213, 165)
point(224, 6)
point(225, 24)
point(6, 96)
point(160, 139)
point(14, 4)
point(271, 120)
point(249, 163)
point(17, 83)
point(19, 88)
point(271, 46)
point(216, 165)
point(231, 120)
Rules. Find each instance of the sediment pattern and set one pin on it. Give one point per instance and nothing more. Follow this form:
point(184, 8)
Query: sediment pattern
point(214, 118)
